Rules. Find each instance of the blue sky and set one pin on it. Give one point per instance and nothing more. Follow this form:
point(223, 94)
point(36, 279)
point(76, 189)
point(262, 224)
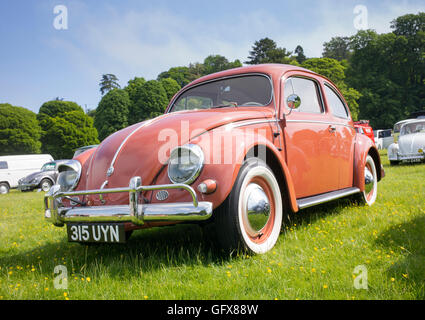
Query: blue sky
point(143, 38)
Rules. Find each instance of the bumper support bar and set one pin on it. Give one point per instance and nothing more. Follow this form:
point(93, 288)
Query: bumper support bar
point(134, 212)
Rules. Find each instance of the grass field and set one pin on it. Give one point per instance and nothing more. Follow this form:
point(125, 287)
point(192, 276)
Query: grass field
point(315, 257)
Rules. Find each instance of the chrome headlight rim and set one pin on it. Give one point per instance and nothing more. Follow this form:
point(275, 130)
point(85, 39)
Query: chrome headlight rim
point(198, 152)
point(71, 165)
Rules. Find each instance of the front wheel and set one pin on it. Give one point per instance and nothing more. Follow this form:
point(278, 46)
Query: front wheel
point(370, 193)
point(4, 188)
point(250, 219)
point(45, 185)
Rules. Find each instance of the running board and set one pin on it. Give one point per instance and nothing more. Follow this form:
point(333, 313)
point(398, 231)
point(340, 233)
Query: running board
point(325, 197)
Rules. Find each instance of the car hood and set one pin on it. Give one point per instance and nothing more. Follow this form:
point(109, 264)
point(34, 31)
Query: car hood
point(136, 150)
point(32, 176)
point(410, 143)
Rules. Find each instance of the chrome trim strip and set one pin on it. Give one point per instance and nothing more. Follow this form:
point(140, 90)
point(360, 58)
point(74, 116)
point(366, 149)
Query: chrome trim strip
point(111, 167)
point(329, 196)
point(320, 122)
point(249, 122)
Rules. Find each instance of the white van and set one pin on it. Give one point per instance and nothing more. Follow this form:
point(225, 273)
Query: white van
point(383, 138)
point(13, 168)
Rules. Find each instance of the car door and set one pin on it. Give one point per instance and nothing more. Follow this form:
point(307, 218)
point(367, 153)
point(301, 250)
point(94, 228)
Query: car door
point(310, 143)
point(344, 134)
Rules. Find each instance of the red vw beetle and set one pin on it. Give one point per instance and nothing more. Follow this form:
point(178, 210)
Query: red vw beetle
point(236, 148)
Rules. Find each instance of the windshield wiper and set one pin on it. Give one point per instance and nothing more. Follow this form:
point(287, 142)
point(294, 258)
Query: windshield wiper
point(230, 104)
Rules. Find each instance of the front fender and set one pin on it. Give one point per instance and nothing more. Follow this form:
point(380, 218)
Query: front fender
point(227, 148)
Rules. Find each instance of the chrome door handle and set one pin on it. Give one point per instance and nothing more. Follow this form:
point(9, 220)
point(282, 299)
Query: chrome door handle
point(332, 129)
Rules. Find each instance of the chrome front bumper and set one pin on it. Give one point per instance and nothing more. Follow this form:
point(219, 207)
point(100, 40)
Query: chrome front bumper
point(134, 212)
point(27, 186)
point(408, 157)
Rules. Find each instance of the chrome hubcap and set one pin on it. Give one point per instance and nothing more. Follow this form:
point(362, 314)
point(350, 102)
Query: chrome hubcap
point(257, 208)
point(3, 190)
point(368, 180)
point(45, 186)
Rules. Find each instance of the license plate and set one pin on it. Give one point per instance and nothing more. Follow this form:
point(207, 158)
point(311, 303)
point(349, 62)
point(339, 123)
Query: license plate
point(96, 232)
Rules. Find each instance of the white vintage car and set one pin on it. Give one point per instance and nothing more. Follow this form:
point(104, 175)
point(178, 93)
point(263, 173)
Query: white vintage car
point(411, 143)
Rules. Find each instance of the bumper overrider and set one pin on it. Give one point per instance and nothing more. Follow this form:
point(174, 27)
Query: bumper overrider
point(134, 212)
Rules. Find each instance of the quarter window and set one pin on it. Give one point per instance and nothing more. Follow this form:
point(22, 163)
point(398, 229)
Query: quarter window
point(3, 165)
point(308, 92)
point(336, 105)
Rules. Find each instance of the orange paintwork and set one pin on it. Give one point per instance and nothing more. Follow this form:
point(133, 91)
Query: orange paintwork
point(312, 160)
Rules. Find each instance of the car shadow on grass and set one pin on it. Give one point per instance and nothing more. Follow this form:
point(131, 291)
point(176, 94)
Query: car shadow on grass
point(408, 238)
point(150, 249)
point(146, 250)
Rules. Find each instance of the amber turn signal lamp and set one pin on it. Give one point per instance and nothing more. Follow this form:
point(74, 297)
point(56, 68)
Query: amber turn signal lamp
point(207, 186)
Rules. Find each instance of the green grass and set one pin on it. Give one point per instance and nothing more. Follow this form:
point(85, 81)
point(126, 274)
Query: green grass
point(314, 258)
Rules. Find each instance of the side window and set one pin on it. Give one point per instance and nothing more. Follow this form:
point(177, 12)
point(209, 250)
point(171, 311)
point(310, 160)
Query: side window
point(336, 105)
point(3, 165)
point(307, 90)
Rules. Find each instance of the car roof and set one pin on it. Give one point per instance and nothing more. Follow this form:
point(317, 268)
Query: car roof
point(403, 121)
point(268, 68)
point(414, 121)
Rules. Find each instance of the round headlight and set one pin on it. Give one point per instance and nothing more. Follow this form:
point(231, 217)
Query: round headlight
point(69, 175)
point(185, 164)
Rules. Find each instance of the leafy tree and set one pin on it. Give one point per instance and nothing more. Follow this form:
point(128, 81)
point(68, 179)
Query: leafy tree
point(261, 50)
point(152, 102)
point(171, 87)
point(181, 74)
point(108, 82)
point(330, 68)
point(338, 48)
point(55, 108)
point(65, 127)
point(216, 63)
point(267, 51)
point(300, 56)
point(133, 87)
point(19, 131)
point(389, 71)
point(112, 112)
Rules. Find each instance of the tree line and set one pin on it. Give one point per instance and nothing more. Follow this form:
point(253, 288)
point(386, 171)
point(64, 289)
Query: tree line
point(382, 77)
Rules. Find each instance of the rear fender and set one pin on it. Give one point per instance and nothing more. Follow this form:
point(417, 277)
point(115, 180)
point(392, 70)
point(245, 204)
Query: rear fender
point(364, 147)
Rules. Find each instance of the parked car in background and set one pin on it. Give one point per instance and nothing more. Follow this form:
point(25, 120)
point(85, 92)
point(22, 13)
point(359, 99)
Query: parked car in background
point(235, 149)
point(383, 138)
point(83, 149)
point(411, 143)
point(363, 127)
point(13, 168)
point(397, 127)
point(42, 179)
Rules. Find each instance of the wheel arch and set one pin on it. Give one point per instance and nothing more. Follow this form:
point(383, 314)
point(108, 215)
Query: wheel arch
point(364, 147)
point(48, 178)
point(281, 172)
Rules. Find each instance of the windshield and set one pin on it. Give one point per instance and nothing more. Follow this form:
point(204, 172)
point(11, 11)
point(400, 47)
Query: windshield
point(48, 167)
point(410, 128)
point(251, 90)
